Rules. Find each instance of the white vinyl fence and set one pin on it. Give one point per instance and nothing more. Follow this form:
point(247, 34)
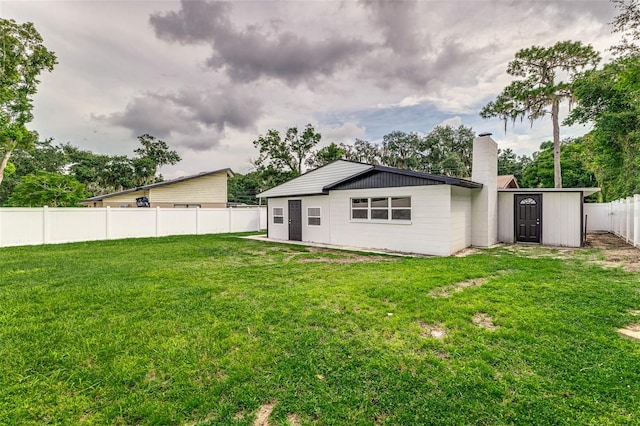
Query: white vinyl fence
point(622, 217)
point(26, 226)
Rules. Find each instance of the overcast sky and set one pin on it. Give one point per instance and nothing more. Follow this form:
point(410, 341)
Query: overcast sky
point(210, 77)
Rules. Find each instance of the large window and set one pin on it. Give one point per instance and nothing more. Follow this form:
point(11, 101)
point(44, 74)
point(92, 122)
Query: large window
point(381, 208)
point(278, 215)
point(313, 216)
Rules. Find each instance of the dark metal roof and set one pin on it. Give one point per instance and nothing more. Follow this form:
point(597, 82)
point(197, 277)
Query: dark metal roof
point(157, 184)
point(387, 177)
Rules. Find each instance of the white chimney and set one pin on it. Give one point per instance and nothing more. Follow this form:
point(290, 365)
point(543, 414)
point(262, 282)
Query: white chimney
point(484, 202)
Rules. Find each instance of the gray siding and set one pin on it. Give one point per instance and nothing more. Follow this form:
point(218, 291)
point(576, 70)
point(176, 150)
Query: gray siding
point(312, 182)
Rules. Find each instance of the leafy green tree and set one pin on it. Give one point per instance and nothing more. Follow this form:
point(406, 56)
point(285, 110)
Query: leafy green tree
point(326, 155)
point(448, 151)
point(539, 173)
point(22, 58)
point(47, 189)
point(153, 154)
point(540, 89)
point(281, 159)
point(510, 164)
point(243, 188)
point(43, 155)
point(362, 151)
point(403, 150)
point(610, 99)
point(627, 23)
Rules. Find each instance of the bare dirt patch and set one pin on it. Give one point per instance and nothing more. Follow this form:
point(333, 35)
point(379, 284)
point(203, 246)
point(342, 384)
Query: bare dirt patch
point(435, 331)
point(293, 420)
point(616, 251)
point(318, 255)
point(456, 287)
point(483, 320)
point(263, 414)
point(632, 331)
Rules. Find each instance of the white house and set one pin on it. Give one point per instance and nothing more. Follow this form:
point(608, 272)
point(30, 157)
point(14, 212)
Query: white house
point(378, 207)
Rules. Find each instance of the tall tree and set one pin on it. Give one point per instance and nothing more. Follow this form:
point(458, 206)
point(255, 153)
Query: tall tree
point(153, 154)
point(511, 164)
point(448, 150)
point(326, 155)
point(403, 150)
point(539, 172)
point(22, 58)
point(280, 158)
point(539, 88)
point(627, 23)
point(610, 99)
point(362, 151)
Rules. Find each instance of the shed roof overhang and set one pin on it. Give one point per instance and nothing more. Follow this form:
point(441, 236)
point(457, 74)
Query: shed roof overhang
point(585, 191)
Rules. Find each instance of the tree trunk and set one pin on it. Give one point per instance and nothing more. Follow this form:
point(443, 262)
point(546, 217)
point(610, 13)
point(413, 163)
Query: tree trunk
point(5, 159)
point(557, 172)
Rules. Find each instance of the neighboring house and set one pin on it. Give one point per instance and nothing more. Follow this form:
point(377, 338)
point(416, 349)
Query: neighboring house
point(507, 181)
point(368, 206)
point(207, 189)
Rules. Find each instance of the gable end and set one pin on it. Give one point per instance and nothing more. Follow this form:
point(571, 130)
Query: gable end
point(383, 179)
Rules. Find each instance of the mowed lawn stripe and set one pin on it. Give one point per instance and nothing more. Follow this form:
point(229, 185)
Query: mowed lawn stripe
point(208, 329)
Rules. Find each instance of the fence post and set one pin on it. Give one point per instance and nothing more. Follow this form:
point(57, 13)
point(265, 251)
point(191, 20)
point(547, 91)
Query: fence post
point(229, 210)
point(1, 226)
point(157, 221)
point(636, 220)
point(45, 224)
point(107, 223)
point(628, 211)
point(197, 220)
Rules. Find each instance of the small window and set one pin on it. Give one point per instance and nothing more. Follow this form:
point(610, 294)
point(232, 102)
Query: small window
point(123, 206)
point(187, 206)
point(528, 201)
point(313, 216)
point(278, 215)
point(359, 208)
point(401, 208)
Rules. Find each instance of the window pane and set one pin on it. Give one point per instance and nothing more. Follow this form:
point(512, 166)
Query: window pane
point(359, 202)
point(278, 219)
point(277, 211)
point(313, 211)
point(314, 221)
point(379, 202)
point(379, 214)
point(401, 214)
point(359, 214)
point(401, 202)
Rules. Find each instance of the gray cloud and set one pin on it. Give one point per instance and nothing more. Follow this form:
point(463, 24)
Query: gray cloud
point(192, 118)
point(254, 52)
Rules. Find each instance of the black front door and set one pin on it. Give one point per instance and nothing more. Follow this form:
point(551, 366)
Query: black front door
point(528, 217)
point(295, 220)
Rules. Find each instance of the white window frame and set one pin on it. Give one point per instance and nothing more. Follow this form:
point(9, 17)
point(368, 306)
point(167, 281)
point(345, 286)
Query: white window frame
point(390, 209)
point(310, 216)
point(274, 215)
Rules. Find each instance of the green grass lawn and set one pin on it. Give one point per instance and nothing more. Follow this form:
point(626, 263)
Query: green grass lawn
point(206, 329)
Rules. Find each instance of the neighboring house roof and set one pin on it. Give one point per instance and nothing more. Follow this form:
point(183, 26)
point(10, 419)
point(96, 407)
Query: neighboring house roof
point(507, 181)
point(158, 184)
point(342, 174)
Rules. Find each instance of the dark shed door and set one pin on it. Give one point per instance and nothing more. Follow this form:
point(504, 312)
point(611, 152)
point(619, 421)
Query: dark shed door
point(295, 220)
point(528, 217)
